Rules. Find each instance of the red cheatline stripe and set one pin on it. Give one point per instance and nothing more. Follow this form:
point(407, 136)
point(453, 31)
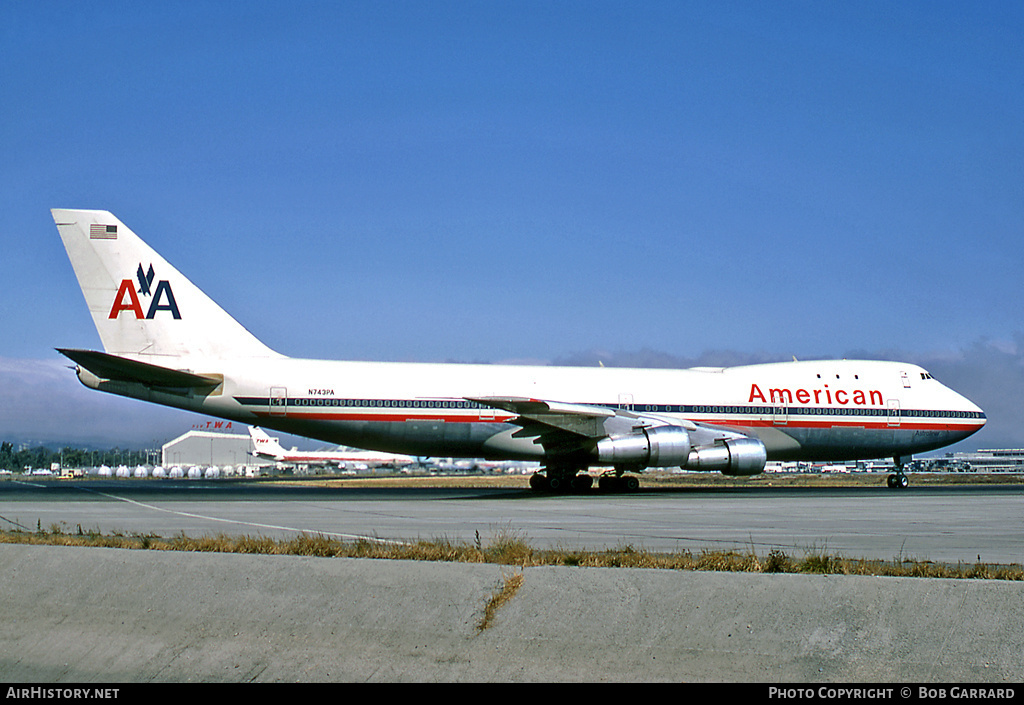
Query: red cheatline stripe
point(396, 417)
point(855, 422)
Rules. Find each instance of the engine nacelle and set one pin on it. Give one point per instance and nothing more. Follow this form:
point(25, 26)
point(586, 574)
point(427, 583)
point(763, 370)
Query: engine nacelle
point(658, 447)
point(732, 456)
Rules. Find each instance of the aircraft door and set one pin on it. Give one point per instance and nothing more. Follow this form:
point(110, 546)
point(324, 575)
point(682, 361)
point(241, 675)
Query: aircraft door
point(626, 401)
point(893, 416)
point(278, 401)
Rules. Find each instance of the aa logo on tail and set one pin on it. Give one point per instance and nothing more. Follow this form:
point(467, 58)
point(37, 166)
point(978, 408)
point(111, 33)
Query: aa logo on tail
point(127, 299)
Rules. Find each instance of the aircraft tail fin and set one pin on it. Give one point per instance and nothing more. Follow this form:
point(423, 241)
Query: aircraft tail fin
point(263, 444)
point(140, 304)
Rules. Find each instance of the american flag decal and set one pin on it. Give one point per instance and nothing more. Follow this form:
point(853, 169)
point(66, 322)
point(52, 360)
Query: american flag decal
point(102, 232)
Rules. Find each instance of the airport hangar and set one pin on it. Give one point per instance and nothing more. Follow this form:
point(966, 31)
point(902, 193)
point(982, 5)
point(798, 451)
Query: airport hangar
point(211, 448)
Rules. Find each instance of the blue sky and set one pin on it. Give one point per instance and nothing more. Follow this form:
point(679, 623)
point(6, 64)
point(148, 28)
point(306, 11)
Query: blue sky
point(561, 181)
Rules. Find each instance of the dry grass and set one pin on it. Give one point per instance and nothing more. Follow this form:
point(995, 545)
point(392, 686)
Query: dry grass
point(509, 585)
point(510, 547)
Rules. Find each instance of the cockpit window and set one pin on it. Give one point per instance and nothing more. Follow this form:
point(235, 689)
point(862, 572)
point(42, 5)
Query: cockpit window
point(926, 375)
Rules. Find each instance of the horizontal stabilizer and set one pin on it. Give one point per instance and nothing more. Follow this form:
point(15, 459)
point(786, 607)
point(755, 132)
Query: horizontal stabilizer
point(112, 367)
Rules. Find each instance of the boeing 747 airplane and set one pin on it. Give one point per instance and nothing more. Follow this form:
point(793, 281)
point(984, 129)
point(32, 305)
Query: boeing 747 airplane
point(166, 342)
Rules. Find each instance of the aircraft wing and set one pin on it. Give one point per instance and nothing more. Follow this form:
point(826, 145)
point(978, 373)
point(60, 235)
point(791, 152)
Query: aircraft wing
point(585, 420)
point(580, 420)
point(625, 437)
point(561, 428)
point(526, 405)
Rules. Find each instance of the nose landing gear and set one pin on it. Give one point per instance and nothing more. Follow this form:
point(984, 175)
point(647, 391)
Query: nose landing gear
point(897, 480)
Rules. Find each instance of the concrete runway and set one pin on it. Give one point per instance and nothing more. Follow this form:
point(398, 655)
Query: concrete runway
point(86, 615)
point(97, 615)
point(944, 524)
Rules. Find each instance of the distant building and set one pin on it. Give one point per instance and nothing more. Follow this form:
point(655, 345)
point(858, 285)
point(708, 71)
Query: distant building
point(995, 460)
point(208, 448)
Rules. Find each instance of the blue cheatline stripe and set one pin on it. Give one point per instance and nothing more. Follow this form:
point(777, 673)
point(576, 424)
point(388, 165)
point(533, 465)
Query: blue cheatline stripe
point(407, 404)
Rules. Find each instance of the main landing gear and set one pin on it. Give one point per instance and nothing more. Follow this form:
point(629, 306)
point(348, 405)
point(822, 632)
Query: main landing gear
point(572, 480)
point(897, 480)
point(561, 481)
point(610, 482)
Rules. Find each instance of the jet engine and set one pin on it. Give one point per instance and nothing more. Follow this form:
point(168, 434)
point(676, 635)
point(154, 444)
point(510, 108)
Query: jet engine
point(731, 456)
point(671, 446)
point(657, 447)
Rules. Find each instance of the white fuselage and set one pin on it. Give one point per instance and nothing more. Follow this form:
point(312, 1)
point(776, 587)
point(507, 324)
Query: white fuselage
point(809, 410)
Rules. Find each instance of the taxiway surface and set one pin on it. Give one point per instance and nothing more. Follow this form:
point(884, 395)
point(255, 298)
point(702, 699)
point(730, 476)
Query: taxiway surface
point(945, 524)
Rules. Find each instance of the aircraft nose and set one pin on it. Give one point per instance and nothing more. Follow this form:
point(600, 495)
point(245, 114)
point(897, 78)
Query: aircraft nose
point(972, 410)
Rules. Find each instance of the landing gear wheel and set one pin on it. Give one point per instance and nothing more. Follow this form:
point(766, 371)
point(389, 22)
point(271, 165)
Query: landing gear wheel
point(625, 483)
point(581, 483)
point(561, 478)
point(897, 481)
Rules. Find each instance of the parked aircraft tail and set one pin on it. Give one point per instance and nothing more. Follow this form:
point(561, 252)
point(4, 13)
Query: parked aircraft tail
point(140, 304)
point(263, 444)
